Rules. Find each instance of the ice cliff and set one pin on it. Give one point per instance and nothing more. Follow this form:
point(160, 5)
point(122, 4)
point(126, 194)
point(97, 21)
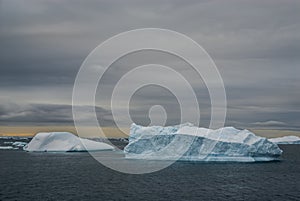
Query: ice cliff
point(186, 142)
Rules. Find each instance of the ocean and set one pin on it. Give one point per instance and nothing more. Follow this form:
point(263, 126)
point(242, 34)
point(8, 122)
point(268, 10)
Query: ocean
point(77, 176)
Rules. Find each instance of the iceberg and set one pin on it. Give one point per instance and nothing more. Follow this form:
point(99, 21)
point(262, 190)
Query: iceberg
point(63, 142)
point(190, 143)
point(286, 140)
point(19, 144)
point(6, 147)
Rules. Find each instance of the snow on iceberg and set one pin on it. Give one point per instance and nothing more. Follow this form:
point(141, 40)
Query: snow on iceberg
point(63, 142)
point(286, 140)
point(186, 142)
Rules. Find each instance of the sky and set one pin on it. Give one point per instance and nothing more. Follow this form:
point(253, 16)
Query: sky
point(254, 44)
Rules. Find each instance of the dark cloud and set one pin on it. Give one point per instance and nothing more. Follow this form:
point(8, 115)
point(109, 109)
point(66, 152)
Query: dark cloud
point(48, 114)
point(35, 114)
point(255, 44)
point(269, 123)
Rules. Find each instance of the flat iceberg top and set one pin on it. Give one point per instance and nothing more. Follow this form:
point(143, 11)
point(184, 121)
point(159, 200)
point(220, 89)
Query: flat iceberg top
point(63, 142)
point(137, 131)
point(187, 142)
point(226, 134)
point(286, 140)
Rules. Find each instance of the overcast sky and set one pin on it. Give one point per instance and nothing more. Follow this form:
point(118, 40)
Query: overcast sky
point(255, 45)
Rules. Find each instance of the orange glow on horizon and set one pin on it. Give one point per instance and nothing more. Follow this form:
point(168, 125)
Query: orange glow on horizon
point(29, 131)
point(32, 130)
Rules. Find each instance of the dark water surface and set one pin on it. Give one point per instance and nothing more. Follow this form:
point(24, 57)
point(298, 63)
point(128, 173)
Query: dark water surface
point(77, 176)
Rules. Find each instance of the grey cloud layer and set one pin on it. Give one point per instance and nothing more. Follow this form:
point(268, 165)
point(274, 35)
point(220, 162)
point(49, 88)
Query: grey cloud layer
point(255, 44)
point(48, 114)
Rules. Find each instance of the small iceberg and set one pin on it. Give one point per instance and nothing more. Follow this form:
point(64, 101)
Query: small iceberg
point(190, 143)
point(19, 144)
point(286, 140)
point(63, 142)
point(6, 147)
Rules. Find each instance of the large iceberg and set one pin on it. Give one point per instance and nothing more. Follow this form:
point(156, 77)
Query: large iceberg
point(63, 142)
point(286, 140)
point(186, 142)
